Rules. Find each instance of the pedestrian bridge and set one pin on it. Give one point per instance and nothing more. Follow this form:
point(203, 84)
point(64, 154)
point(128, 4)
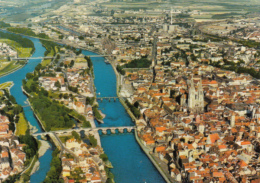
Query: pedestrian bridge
point(110, 98)
point(103, 130)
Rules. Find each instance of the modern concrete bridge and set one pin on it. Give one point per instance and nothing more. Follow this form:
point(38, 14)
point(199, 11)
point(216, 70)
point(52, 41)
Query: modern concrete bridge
point(104, 130)
point(31, 58)
point(36, 58)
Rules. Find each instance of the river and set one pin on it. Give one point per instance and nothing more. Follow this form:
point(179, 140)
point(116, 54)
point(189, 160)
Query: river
point(131, 165)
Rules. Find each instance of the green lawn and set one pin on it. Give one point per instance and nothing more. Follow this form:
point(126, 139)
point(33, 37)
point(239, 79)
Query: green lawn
point(9, 67)
point(5, 85)
point(21, 126)
point(48, 61)
point(51, 54)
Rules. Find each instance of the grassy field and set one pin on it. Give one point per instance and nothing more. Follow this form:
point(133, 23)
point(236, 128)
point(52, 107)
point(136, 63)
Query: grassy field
point(51, 54)
point(5, 85)
point(9, 67)
point(3, 64)
point(21, 126)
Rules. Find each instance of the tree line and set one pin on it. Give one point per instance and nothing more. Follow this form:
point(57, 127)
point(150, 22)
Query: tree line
point(134, 109)
point(136, 63)
point(54, 173)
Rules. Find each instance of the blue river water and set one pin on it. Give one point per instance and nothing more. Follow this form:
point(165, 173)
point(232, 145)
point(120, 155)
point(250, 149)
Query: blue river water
point(131, 165)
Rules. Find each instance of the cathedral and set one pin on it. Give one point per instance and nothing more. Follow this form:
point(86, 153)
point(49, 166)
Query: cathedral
point(196, 98)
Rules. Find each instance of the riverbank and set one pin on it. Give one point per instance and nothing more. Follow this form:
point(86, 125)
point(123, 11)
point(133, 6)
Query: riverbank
point(35, 114)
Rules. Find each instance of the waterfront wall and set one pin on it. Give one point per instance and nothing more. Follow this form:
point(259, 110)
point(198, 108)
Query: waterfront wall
point(155, 163)
point(37, 117)
point(118, 77)
point(55, 141)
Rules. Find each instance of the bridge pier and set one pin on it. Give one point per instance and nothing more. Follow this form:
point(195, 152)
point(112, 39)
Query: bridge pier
point(109, 99)
point(129, 130)
point(43, 137)
point(104, 132)
point(121, 130)
point(115, 99)
point(113, 131)
point(101, 99)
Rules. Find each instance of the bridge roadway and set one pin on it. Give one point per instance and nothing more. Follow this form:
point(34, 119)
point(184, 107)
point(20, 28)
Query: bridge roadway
point(36, 58)
point(31, 58)
point(108, 98)
point(103, 129)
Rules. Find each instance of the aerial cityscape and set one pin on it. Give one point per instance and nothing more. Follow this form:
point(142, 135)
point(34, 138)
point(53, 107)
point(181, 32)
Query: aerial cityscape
point(129, 91)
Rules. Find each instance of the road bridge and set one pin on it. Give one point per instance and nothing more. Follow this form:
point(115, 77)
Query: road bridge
point(30, 58)
point(104, 130)
point(37, 58)
point(63, 149)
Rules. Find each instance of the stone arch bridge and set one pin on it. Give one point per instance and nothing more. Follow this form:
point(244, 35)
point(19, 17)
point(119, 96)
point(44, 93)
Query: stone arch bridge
point(104, 130)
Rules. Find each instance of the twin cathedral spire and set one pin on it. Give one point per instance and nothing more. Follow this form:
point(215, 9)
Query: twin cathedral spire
point(196, 97)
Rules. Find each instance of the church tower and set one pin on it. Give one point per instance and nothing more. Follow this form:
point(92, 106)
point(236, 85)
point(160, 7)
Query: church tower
point(196, 98)
point(191, 102)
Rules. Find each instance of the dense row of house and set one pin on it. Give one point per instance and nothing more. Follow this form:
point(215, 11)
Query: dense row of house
point(88, 161)
point(12, 156)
